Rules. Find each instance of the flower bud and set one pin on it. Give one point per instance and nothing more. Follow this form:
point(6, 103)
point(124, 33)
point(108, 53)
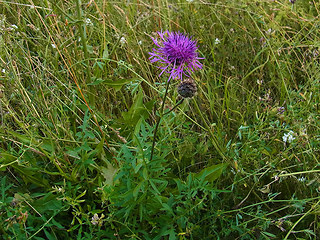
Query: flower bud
point(187, 88)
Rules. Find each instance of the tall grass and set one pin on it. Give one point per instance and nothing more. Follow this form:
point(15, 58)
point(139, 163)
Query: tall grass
point(79, 100)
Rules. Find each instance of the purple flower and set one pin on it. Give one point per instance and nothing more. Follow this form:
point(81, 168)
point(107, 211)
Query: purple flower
point(176, 54)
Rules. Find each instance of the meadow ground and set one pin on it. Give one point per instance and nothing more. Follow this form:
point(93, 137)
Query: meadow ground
point(80, 102)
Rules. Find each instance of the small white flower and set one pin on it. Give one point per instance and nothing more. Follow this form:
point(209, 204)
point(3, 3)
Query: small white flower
point(217, 41)
point(123, 40)
point(288, 137)
point(3, 71)
point(14, 26)
point(259, 81)
point(53, 45)
point(140, 42)
point(189, 1)
point(302, 179)
point(88, 22)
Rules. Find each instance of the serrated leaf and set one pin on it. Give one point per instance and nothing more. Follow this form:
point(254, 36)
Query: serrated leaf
point(109, 173)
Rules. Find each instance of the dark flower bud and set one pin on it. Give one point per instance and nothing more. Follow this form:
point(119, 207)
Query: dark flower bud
point(187, 88)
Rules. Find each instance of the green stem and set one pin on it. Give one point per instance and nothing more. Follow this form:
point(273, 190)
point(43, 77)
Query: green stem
point(213, 137)
point(300, 219)
point(158, 120)
point(83, 37)
point(178, 103)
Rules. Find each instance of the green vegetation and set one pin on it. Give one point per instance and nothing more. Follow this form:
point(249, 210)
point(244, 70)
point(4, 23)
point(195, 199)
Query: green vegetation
point(79, 102)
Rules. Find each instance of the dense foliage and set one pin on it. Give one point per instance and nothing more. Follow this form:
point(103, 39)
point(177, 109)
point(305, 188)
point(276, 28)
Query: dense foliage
point(79, 102)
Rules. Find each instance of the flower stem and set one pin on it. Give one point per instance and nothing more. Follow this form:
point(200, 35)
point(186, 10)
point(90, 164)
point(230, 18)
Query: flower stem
point(158, 120)
point(178, 103)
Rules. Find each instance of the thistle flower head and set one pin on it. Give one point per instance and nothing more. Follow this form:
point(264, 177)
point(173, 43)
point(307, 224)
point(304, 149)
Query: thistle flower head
point(176, 53)
point(187, 88)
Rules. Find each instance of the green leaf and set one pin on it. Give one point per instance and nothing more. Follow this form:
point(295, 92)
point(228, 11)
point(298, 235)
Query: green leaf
point(58, 225)
point(48, 202)
point(137, 168)
point(97, 81)
point(172, 235)
point(136, 111)
point(269, 234)
point(48, 235)
point(90, 49)
point(30, 174)
point(211, 173)
point(48, 145)
point(7, 159)
point(99, 64)
point(145, 174)
point(105, 54)
point(74, 154)
point(154, 187)
point(99, 151)
point(81, 195)
point(165, 207)
point(117, 85)
point(108, 173)
point(4, 188)
point(20, 137)
point(89, 134)
point(137, 189)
